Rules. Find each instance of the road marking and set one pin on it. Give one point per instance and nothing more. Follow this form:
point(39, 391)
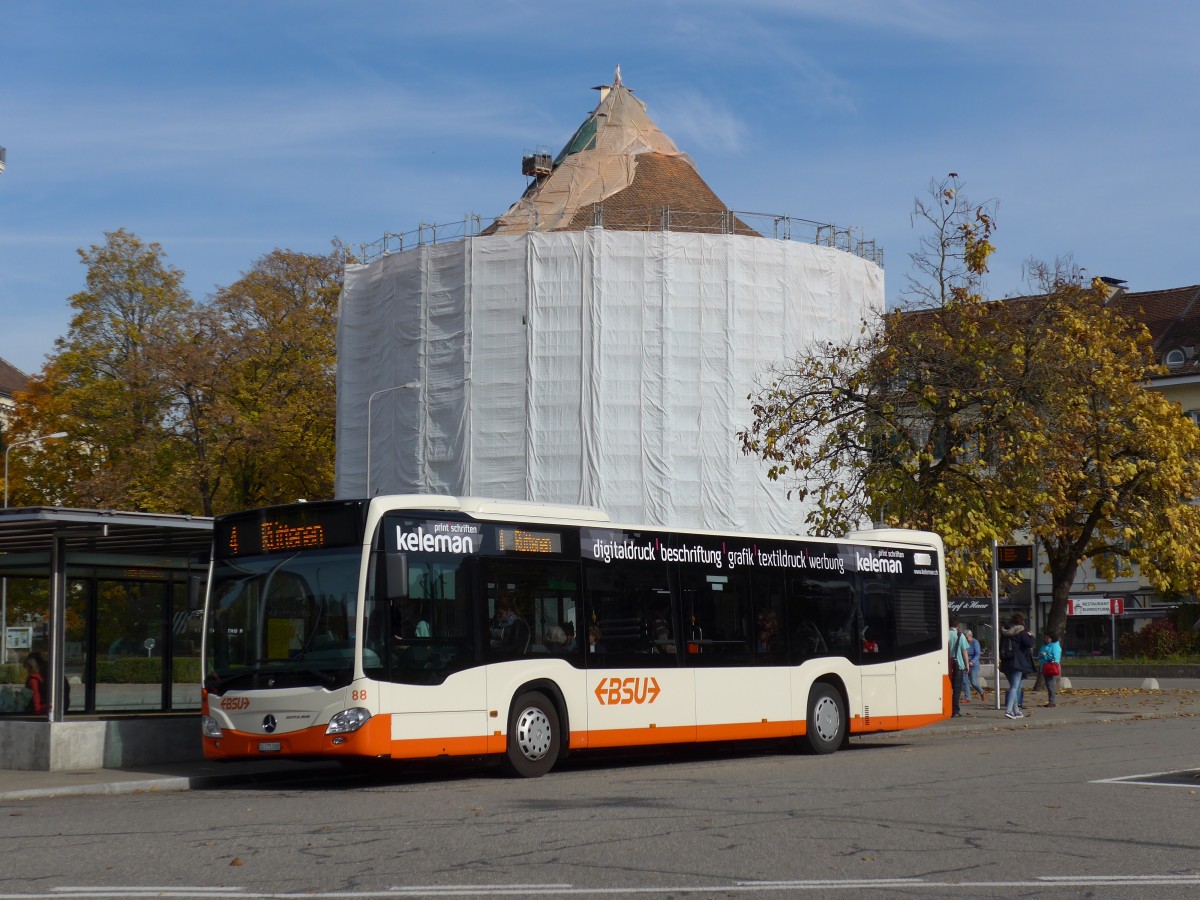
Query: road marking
point(180, 892)
point(1178, 774)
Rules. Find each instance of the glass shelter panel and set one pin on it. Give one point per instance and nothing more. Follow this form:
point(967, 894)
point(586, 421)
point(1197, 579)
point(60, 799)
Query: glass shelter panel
point(130, 644)
point(27, 614)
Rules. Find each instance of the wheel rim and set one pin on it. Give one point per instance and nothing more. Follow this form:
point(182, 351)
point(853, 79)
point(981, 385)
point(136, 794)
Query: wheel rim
point(533, 733)
point(826, 718)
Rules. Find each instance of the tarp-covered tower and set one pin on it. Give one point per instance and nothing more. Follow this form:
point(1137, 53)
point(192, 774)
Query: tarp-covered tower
point(596, 344)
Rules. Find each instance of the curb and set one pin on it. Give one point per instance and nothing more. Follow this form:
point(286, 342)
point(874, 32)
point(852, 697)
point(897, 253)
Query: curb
point(104, 788)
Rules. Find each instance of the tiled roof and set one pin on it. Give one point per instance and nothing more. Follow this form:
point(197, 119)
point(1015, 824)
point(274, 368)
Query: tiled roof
point(11, 378)
point(665, 190)
point(1173, 319)
point(1172, 316)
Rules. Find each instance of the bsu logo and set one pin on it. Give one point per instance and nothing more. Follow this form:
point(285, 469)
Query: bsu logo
point(619, 691)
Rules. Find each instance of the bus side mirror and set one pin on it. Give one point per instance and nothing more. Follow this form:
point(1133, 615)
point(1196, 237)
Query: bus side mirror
point(195, 592)
point(397, 575)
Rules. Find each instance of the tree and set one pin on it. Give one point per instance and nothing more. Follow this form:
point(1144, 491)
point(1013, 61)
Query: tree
point(1105, 466)
point(983, 421)
point(101, 385)
point(253, 386)
point(894, 426)
point(179, 407)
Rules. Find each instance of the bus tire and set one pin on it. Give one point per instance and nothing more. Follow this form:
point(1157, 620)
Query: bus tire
point(826, 729)
point(534, 737)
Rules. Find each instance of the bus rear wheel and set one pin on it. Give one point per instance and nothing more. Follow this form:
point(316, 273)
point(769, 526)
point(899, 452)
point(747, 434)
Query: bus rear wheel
point(826, 730)
point(534, 736)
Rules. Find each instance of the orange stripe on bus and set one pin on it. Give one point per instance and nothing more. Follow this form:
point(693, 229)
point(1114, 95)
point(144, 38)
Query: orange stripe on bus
point(374, 739)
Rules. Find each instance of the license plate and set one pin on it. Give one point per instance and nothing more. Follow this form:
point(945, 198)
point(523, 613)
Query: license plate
point(269, 746)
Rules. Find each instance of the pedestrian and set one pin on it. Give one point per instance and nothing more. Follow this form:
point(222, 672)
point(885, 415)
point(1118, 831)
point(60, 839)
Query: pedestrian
point(956, 647)
point(1050, 656)
point(1016, 661)
point(35, 684)
point(974, 655)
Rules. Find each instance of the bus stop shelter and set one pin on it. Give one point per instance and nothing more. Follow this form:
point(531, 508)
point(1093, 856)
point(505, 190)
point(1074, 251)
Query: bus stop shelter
point(107, 601)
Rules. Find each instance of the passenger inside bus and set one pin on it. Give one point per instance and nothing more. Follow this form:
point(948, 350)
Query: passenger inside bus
point(409, 621)
point(509, 632)
point(594, 644)
point(767, 640)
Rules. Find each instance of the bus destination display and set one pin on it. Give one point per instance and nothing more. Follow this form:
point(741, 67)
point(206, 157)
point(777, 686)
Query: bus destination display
point(286, 530)
point(522, 540)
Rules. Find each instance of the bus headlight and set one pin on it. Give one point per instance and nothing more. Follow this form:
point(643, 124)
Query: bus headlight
point(209, 727)
point(348, 720)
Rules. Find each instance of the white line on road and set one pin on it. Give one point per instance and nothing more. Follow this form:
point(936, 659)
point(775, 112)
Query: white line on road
point(180, 892)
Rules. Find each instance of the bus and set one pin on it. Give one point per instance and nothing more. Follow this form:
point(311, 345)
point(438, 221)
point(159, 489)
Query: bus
point(412, 627)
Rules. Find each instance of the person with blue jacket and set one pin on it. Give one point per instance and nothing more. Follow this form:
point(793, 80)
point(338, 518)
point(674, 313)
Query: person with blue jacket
point(1050, 658)
point(971, 679)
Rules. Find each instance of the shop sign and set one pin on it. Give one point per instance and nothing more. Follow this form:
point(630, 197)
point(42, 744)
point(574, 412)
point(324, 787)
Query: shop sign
point(970, 606)
point(1096, 606)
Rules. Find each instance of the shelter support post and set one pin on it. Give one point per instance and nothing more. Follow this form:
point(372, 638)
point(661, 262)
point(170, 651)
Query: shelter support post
point(58, 627)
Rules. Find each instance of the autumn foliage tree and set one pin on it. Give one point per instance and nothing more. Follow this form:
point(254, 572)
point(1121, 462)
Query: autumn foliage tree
point(101, 385)
point(991, 421)
point(180, 407)
point(255, 385)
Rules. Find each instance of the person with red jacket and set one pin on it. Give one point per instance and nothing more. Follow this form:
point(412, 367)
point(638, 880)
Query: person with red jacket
point(35, 683)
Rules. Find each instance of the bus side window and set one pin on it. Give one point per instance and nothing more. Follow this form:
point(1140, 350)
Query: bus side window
point(718, 620)
point(879, 622)
point(629, 610)
point(823, 619)
point(531, 608)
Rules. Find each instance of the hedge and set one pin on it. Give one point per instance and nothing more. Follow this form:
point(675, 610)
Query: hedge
point(142, 670)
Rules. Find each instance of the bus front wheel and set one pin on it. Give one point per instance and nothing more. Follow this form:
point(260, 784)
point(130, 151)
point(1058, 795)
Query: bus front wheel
point(533, 736)
point(826, 730)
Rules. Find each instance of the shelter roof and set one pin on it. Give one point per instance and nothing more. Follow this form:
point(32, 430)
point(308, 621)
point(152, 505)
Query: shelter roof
point(34, 529)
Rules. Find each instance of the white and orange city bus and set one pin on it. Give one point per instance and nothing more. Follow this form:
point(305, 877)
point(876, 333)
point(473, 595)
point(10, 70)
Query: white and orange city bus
point(409, 627)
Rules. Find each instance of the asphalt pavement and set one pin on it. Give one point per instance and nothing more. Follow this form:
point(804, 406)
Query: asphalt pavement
point(1087, 701)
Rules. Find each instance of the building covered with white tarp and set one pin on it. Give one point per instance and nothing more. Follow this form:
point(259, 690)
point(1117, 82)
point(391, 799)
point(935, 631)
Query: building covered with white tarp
point(594, 345)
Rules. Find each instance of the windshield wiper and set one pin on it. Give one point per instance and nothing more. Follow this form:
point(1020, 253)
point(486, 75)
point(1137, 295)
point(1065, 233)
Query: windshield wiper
point(254, 669)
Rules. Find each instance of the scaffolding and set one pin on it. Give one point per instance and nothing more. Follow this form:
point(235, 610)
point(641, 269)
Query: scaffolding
point(663, 218)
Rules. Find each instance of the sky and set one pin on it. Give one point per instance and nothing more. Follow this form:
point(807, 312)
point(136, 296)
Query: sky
point(224, 130)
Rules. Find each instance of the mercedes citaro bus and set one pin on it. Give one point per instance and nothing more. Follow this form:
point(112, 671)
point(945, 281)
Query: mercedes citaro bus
point(410, 627)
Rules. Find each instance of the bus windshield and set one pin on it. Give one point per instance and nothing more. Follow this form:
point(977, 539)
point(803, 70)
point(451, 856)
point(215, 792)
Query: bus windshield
point(283, 619)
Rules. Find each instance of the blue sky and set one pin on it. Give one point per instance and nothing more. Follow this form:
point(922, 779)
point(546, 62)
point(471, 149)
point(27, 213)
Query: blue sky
point(223, 130)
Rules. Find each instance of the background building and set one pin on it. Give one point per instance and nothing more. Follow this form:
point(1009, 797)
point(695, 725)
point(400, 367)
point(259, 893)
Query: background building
point(595, 344)
point(12, 380)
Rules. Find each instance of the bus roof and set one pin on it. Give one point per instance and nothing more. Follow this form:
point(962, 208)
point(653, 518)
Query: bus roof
point(589, 515)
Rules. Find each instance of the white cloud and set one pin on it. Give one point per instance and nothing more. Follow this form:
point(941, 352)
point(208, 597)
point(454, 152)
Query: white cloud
point(693, 119)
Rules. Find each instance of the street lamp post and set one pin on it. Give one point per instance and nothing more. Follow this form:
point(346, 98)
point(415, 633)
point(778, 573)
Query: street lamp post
point(15, 444)
point(4, 581)
point(411, 385)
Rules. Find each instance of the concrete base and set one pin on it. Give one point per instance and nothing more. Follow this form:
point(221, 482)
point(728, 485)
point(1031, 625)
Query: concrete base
point(99, 743)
